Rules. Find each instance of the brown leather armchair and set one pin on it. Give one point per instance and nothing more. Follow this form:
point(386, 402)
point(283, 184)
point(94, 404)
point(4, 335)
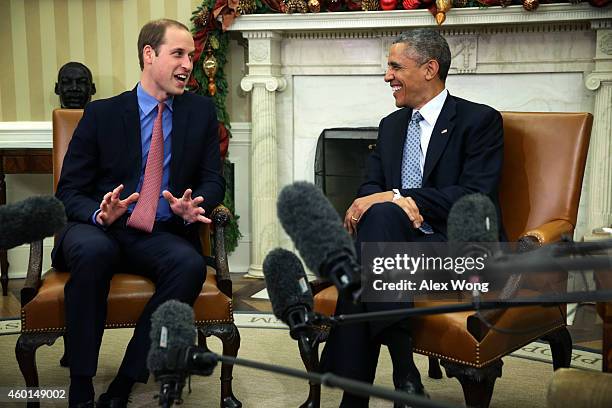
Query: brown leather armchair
point(544, 160)
point(42, 297)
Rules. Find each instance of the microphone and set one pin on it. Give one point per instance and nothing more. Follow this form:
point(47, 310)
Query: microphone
point(30, 220)
point(473, 220)
point(317, 232)
point(170, 357)
point(290, 294)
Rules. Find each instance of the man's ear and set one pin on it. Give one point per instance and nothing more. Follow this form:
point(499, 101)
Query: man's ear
point(147, 54)
point(93, 88)
point(57, 88)
point(432, 69)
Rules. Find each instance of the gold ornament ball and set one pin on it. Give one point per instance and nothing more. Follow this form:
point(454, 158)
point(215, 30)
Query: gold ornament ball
point(443, 6)
point(201, 19)
point(531, 5)
point(314, 6)
point(369, 5)
point(246, 6)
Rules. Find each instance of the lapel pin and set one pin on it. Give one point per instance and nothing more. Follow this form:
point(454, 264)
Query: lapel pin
point(444, 131)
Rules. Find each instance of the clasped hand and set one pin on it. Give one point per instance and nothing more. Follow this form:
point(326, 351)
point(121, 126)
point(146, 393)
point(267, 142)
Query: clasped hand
point(363, 204)
point(186, 207)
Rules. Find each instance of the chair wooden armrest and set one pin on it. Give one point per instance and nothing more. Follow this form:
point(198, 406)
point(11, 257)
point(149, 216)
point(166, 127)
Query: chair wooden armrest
point(552, 231)
point(33, 278)
point(221, 217)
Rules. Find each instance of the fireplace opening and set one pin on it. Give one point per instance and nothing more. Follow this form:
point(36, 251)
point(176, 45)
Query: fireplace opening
point(340, 163)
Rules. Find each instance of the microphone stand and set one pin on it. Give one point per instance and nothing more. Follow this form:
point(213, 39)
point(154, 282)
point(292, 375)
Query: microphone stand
point(333, 381)
point(544, 301)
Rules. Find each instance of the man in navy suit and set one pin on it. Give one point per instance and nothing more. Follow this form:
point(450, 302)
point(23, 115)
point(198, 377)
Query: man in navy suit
point(434, 150)
point(141, 172)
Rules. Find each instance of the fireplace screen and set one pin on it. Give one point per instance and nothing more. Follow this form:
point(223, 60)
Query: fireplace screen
point(340, 163)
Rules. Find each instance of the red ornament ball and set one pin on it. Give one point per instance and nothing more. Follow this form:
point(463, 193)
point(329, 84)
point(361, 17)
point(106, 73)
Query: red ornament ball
point(411, 4)
point(388, 4)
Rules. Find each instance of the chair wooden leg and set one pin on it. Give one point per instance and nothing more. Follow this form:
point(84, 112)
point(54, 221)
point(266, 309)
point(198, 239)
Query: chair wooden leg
point(434, 368)
point(202, 341)
point(230, 337)
point(64, 359)
point(477, 383)
point(561, 346)
point(25, 352)
point(310, 358)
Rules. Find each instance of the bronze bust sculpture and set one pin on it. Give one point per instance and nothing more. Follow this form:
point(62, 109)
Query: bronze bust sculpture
point(74, 85)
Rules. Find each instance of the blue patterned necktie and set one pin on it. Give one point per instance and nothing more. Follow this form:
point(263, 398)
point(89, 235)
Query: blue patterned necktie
point(411, 166)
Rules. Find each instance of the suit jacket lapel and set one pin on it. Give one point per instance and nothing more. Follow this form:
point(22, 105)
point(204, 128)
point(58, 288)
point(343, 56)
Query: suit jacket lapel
point(131, 122)
point(438, 140)
point(398, 139)
point(180, 118)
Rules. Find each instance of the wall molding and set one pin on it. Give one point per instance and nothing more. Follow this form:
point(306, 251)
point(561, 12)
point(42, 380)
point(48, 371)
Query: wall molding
point(241, 133)
point(31, 135)
point(39, 135)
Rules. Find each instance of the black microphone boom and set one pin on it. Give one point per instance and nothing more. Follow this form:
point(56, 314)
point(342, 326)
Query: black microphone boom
point(317, 232)
point(30, 220)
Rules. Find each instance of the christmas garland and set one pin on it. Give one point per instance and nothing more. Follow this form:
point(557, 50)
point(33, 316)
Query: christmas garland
point(208, 78)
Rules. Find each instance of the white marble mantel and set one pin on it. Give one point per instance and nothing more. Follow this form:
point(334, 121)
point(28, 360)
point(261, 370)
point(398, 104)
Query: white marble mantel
point(308, 72)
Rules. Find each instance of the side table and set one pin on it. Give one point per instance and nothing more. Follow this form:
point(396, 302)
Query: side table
point(19, 161)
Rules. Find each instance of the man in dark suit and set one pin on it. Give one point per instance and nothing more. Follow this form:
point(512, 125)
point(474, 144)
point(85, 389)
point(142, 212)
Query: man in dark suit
point(434, 150)
point(141, 171)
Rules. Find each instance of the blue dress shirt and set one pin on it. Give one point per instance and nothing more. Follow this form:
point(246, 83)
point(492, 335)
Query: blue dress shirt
point(147, 108)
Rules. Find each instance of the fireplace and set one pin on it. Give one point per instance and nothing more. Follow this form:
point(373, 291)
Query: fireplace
point(340, 163)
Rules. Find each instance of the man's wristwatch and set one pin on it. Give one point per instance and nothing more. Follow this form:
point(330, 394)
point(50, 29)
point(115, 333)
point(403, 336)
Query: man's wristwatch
point(396, 194)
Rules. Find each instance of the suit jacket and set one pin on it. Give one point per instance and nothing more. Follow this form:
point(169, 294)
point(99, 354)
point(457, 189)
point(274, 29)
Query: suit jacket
point(464, 156)
point(106, 151)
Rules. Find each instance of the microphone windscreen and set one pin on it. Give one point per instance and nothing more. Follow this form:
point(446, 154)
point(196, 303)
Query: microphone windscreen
point(313, 224)
point(286, 282)
point(473, 218)
point(172, 328)
point(30, 220)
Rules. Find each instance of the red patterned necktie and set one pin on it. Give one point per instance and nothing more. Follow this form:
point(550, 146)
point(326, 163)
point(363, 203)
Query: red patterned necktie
point(143, 216)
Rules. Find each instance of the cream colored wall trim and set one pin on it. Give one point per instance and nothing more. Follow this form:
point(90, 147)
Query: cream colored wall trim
point(20, 135)
point(36, 135)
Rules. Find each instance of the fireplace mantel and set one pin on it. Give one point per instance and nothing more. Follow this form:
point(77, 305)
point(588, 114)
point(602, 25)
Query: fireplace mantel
point(402, 19)
point(310, 72)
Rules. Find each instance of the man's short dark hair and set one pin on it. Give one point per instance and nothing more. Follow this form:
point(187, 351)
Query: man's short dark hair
point(427, 44)
point(153, 34)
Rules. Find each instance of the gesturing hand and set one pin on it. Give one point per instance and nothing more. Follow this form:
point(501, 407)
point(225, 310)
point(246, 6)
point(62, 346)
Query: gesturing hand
point(187, 208)
point(112, 207)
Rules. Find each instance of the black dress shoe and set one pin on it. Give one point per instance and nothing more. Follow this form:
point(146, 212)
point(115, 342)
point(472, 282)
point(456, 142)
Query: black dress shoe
point(106, 401)
point(86, 404)
point(409, 387)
